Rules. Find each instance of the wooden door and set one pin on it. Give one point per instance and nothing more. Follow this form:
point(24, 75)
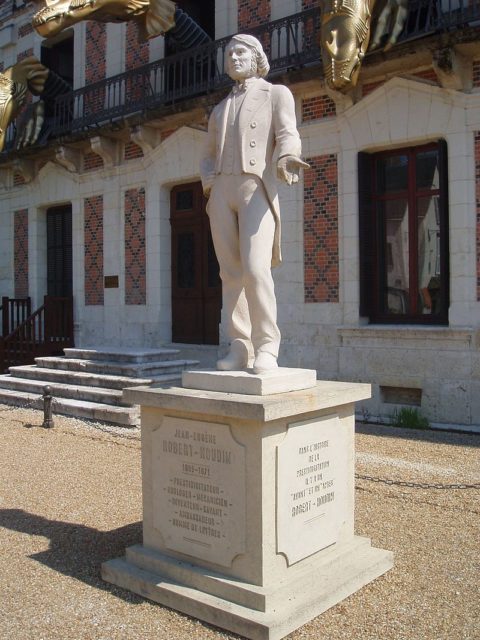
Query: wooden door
point(196, 286)
point(59, 251)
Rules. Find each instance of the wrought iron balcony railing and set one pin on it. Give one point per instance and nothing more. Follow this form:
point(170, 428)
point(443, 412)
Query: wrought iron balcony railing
point(292, 42)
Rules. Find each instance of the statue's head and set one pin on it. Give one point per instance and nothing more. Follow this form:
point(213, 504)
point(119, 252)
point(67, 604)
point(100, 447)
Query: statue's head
point(56, 15)
point(245, 58)
point(345, 34)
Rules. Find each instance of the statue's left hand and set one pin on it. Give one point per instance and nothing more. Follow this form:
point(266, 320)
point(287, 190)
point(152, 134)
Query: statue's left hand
point(288, 168)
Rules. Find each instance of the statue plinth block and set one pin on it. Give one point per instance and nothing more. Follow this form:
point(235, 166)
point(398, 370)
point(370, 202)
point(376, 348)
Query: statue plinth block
point(248, 506)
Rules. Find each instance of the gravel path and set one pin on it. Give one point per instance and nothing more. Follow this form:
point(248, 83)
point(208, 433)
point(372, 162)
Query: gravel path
point(70, 498)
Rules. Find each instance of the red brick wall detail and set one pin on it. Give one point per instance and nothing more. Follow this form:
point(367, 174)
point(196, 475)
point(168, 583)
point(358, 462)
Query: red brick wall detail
point(136, 52)
point(132, 151)
point(370, 86)
point(136, 55)
point(477, 193)
point(18, 179)
point(92, 161)
point(95, 52)
point(24, 54)
point(95, 66)
point(93, 252)
point(135, 254)
point(252, 14)
point(317, 107)
point(427, 74)
point(320, 230)
point(476, 73)
point(25, 29)
point(20, 253)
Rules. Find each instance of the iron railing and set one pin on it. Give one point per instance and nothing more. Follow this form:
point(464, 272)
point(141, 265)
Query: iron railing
point(13, 311)
point(47, 331)
point(291, 43)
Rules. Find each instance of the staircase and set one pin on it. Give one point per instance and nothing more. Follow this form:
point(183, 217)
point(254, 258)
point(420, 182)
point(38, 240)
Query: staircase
point(88, 383)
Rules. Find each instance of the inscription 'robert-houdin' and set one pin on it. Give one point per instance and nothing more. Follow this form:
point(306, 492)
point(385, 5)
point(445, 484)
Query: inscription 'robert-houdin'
point(199, 489)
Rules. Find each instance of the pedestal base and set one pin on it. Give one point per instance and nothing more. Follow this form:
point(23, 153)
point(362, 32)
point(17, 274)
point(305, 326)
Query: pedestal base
point(246, 609)
point(248, 504)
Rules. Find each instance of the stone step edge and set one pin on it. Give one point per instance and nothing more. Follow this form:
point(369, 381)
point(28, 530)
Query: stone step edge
point(135, 357)
point(126, 416)
point(124, 381)
point(11, 383)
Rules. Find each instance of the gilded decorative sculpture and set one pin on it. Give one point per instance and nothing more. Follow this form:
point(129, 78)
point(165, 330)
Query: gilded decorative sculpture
point(347, 26)
point(153, 16)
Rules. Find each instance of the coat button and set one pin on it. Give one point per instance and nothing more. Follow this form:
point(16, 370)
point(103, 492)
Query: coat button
point(253, 124)
point(253, 143)
point(253, 162)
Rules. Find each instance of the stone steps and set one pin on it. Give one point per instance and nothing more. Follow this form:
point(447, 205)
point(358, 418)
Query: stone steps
point(88, 383)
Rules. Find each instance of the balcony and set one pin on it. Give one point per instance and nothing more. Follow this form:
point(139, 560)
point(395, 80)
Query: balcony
point(292, 44)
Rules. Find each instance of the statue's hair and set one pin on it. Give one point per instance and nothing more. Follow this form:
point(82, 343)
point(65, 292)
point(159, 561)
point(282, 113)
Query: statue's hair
point(263, 66)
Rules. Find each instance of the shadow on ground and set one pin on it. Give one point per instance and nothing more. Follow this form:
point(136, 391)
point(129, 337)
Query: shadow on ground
point(76, 550)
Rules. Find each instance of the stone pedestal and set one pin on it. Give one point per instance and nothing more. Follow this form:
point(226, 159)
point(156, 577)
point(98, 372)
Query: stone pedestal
point(248, 505)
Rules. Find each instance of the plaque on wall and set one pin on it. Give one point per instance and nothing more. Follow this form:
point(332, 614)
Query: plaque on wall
point(199, 489)
point(311, 487)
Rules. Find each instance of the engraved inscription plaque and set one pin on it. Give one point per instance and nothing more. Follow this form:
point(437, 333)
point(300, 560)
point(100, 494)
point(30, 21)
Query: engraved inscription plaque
point(199, 489)
point(311, 487)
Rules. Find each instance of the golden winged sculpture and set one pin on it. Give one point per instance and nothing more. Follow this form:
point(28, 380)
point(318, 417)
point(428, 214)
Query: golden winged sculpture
point(349, 28)
point(28, 75)
point(153, 16)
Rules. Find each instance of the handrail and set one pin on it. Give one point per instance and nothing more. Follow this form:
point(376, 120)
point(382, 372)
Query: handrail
point(46, 331)
point(13, 311)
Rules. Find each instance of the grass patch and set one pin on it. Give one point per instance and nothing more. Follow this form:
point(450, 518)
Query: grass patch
point(409, 418)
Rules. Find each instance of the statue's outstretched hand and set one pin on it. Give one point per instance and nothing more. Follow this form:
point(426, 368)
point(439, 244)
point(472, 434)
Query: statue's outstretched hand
point(288, 168)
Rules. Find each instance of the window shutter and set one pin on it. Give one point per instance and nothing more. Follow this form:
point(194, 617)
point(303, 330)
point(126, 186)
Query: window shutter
point(367, 235)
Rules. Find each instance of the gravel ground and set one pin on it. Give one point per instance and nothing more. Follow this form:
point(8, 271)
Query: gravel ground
point(70, 498)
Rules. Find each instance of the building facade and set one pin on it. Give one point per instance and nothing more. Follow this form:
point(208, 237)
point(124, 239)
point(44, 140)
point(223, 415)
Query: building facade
point(380, 280)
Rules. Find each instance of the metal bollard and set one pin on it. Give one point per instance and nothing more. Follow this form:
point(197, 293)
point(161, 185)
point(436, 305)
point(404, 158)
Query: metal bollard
point(47, 408)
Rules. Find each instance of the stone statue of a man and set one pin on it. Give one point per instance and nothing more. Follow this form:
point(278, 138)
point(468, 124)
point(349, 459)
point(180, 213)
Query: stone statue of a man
point(252, 140)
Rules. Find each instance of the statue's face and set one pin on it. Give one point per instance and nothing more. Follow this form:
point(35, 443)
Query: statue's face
point(241, 59)
point(57, 15)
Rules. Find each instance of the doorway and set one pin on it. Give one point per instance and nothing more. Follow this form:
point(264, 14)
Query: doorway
point(59, 251)
point(196, 285)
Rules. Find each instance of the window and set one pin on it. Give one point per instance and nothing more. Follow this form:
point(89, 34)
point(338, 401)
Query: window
point(403, 214)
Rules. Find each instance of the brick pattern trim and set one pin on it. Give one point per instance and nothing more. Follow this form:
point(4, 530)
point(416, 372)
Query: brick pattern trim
point(427, 74)
point(132, 151)
point(95, 52)
point(92, 161)
point(476, 73)
point(20, 253)
point(136, 52)
point(253, 14)
point(370, 86)
point(18, 179)
point(477, 197)
point(93, 251)
point(135, 253)
point(320, 230)
point(318, 107)
point(25, 30)
point(24, 54)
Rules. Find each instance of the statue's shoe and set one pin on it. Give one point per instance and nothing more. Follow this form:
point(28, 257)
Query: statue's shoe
point(264, 361)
